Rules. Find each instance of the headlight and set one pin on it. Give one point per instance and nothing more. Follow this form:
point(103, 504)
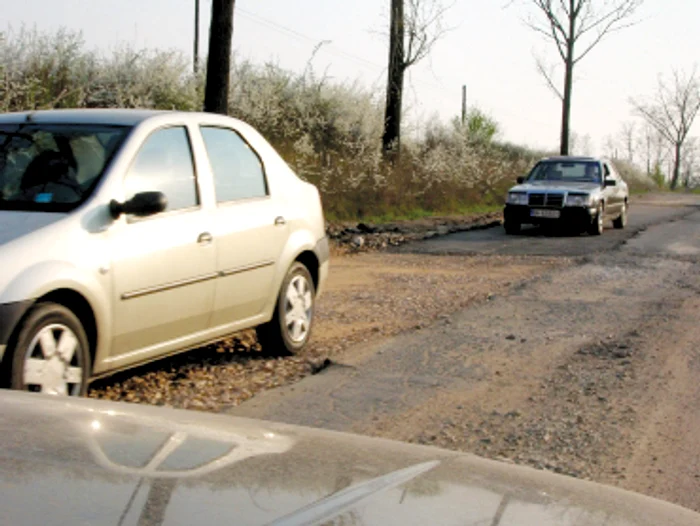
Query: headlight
point(517, 198)
point(578, 200)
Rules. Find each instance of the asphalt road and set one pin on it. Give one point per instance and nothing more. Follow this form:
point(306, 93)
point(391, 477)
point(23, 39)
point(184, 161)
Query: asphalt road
point(534, 241)
point(589, 370)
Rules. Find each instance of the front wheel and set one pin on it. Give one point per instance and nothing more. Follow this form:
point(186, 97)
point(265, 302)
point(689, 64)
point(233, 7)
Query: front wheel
point(51, 353)
point(596, 226)
point(621, 221)
point(511, 227)
point(290, 327)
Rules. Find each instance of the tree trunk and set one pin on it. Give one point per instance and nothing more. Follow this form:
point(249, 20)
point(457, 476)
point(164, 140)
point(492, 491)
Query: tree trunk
point(568, 86)
point(195, 61)
point(219, 60)
point(391, 139)
point(566, 108)
point(676, 166)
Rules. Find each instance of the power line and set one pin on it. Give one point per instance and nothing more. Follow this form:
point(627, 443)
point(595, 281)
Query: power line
point(329, 48)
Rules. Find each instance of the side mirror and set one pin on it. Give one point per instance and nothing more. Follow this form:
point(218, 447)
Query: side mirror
point(140, 205)
point(610, 182)
point(520, 180)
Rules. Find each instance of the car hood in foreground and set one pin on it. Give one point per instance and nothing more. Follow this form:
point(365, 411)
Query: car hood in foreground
point(559, 186)
point(80, 461)
point(15, 224)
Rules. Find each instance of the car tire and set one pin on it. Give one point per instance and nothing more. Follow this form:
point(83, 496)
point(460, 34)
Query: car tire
point(511, 227)
point(290, 327)
point(596, 226)
point(620, 222)
point(51, 353)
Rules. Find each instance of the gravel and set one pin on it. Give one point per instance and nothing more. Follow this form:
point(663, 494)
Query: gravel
point(405, 295)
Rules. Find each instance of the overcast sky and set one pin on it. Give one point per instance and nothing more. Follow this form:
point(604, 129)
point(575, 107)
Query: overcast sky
point(489, 48)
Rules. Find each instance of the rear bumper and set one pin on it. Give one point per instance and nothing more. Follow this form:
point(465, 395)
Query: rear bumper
point(322, 251)
point(521, 214)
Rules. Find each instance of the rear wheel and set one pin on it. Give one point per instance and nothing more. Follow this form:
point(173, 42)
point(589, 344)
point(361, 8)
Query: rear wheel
point(596, 226)
point(51, 353)
point(621, 221)
point(290, 327)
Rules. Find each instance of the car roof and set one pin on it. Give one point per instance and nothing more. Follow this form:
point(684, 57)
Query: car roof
point(572, 158)
point(109, 116)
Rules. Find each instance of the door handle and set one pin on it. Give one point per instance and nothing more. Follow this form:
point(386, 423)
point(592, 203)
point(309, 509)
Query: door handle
point(279, 220)
point(205, 238)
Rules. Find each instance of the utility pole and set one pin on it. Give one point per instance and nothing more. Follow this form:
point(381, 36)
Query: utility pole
point(196, 36)
point(464, 105)
point(219, 59)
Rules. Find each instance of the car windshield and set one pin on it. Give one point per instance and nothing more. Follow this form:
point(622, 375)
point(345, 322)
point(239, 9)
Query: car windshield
point(566, 171)
point(53, 167)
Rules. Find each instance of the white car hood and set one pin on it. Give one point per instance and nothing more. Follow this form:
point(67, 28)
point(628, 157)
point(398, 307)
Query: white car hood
point(15, 224)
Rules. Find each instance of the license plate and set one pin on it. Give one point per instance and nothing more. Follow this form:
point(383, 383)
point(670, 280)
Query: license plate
point(549, 214)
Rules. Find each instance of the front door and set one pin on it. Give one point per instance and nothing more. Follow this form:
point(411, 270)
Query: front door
point(164, 265)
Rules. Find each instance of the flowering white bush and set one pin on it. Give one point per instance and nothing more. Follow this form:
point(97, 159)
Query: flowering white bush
point(329, 133)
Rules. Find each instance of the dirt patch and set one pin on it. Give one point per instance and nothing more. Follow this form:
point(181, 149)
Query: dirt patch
point(368, 297)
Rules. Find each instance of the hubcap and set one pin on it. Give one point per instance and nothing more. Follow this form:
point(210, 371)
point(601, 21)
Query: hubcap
point(600, 220)
point(52, 363)
point(298, 309)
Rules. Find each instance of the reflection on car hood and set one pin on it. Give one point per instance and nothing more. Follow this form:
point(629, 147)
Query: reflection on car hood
point(559, 186)
point(80, 461)
point(15, 224)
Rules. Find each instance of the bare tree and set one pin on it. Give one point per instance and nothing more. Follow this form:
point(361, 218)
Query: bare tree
point(219, 60)
point(580, 144)
point(690, 162)
point(652, 148)
point(627, 139)
point(576, 27)
point(672, 113)
point(610, 147)
point(415, 27)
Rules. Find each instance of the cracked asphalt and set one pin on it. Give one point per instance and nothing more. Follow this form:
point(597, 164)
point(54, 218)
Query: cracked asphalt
point(588, 369)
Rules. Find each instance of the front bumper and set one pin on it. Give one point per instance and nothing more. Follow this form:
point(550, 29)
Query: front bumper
point(570, 215)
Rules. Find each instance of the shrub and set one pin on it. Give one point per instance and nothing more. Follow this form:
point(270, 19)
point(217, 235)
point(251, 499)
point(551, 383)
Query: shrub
point(330, 133)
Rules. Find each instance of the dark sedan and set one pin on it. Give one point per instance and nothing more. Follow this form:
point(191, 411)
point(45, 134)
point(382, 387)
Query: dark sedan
point(580, 193)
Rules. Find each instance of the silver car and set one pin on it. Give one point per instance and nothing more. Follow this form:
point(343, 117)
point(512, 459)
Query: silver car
point(98, 462)
point(581, 193)
point(129, 235)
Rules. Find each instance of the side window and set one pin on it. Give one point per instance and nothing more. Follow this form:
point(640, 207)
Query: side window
point(164, 164)
point(238, 171)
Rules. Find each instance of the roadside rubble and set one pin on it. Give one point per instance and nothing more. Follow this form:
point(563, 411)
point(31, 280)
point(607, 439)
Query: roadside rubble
point(363, 237)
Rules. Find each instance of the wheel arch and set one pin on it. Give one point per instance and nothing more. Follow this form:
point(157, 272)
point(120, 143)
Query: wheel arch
point(81, 307)
point(309, 259)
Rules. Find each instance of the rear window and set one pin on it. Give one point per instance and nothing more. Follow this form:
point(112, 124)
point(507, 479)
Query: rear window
point(54, 167)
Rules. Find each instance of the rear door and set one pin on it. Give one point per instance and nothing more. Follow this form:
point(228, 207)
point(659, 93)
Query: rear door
point(249, 226)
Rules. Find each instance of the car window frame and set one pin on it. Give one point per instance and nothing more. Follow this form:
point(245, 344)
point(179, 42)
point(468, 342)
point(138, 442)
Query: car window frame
point(93, 189)
point(233, 202)
point(130, 219)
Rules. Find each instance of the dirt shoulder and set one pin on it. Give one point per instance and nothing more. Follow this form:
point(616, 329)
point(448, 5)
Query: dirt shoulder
point(369, 296)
